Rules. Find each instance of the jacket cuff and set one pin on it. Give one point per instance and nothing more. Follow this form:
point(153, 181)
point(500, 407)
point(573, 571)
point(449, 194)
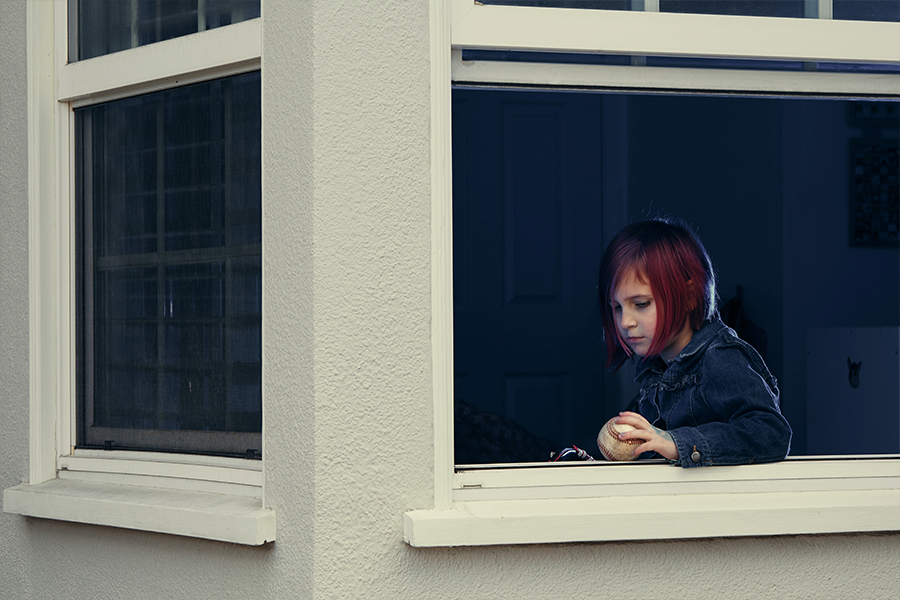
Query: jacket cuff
point(691, 452)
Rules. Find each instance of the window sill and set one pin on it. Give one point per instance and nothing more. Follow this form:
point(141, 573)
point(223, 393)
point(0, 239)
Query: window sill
point(621, 518)
point(239, 520)
point(601, 501)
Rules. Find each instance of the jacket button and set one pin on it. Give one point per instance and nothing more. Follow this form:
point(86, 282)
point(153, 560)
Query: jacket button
point(695, 456)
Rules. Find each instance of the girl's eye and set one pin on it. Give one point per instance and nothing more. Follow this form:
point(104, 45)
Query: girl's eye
point(643, 304)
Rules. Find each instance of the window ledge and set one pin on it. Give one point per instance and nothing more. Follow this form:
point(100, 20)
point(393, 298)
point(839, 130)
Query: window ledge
point(480, 523)
point(234, 519)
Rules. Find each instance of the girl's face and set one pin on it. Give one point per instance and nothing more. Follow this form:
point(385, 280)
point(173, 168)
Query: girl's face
point(634, 310)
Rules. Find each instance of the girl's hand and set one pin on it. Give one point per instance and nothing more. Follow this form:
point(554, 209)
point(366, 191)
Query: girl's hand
point(655, 439)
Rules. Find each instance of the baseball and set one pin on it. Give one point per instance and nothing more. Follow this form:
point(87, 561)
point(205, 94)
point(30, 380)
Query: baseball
point(611, 446)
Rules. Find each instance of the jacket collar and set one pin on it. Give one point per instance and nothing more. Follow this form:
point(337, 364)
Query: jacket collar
point(701, 338)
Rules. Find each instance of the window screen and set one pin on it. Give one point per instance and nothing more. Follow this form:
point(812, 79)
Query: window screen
point(169, 270)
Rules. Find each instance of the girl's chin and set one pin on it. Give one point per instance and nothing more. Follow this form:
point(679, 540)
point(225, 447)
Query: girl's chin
point(638, 347)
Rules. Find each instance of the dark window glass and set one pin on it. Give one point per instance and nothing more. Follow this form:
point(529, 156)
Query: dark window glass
point(675, 61)
point(795, 198)
point(764, 8)
point(587, 4)
point(853, 10)
point(169, 270)
point(750, 8)
point(867, 10)
point(107, 26)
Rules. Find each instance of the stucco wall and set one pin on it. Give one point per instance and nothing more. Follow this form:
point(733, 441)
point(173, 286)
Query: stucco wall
point(348, 430)
point(13, 288)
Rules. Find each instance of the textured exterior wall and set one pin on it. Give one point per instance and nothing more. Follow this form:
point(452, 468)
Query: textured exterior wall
point(348, 431)
point(13, 286)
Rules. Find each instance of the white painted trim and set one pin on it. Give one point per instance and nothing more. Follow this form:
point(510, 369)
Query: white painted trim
point(671, 34)
point(64, 245)
point(227, 518)
point(225, 462)
point(238, 474)
point(263, 322)
point(42, 236)
point(603, 479)
point(214, 474)
point(441, 252)
point(624, 78)
point(200, 496)
point(168, 483)
point(653, 517)
point(188, 59)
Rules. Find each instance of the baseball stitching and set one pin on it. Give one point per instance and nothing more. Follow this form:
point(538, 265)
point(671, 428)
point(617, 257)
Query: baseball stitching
point(610, 429)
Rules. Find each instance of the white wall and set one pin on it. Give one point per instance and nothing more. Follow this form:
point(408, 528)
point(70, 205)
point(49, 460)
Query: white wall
point(348, 437)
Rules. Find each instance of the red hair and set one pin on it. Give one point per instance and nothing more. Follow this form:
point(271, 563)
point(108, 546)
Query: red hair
point(669, 257)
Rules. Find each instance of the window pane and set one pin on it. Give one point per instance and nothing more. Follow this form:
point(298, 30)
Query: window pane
point(675, 61)
point(750, 8)
point(794, 198)
point(853, 10)
point(107, 26)
point(766, 8)
point(867, 10)
point(169, 278)
point(587, 4)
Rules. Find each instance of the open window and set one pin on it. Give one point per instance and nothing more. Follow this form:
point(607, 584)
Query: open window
point(653, 70)
point(790, 194)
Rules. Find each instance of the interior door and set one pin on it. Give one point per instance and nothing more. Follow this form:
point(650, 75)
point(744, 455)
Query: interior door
point(527, 246)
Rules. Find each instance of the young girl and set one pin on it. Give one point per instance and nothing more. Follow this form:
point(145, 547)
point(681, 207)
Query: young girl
point(707, 398)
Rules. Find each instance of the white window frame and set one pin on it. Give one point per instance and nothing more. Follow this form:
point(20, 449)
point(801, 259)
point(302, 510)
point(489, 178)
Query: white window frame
point(521, 504)
point(201, 496)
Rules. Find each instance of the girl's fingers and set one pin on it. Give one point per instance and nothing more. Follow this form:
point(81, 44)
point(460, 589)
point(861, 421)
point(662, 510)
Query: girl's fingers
point(645, 447)
point(633, 419)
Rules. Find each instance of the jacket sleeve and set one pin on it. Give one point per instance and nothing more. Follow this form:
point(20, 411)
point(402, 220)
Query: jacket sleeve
point(746, 424)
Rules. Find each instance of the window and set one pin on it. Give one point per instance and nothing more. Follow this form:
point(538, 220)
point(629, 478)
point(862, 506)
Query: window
point(145, 267)
point(556, 503)
point(529, 230)
point(168, 243)
point(857, 10)
point(104, 27)
point(168, 228)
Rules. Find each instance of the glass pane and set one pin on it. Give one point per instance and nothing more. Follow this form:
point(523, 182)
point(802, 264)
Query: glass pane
point(762, 8)
point(867, 10)
point(807, 188)
point(854, 10)
point(169, 276)
point(674, 61)
point(750, 8)
point(107, 26)
point(587, 4)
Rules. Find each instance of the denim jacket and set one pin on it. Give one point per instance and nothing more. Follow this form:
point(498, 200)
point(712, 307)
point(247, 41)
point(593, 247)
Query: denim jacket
point(717, 400)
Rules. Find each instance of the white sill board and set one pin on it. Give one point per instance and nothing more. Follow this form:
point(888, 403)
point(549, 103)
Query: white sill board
point(620, 518)
point(239, 520)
